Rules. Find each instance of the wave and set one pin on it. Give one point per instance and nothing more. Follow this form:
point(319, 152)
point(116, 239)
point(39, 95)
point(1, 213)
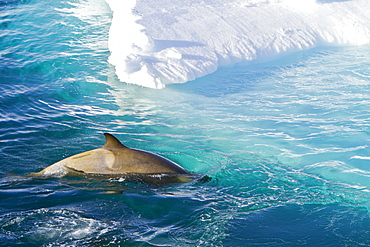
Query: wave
point(154, 43)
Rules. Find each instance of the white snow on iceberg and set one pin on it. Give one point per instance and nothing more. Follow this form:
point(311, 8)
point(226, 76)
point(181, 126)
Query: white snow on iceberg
point(154, 43)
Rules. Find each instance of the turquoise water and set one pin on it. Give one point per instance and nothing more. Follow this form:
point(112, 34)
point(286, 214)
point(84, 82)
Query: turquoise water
point(285, 142)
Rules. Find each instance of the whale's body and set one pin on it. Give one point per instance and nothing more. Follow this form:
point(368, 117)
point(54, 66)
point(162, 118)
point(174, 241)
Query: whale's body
point(112, 160)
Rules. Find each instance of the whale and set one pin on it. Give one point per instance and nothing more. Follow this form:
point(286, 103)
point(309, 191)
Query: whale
point(116, 160)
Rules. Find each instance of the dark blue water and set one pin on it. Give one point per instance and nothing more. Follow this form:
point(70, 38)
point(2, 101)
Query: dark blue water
point(285, 142)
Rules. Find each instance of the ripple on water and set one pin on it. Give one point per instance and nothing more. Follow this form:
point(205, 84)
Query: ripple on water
point(49, 226)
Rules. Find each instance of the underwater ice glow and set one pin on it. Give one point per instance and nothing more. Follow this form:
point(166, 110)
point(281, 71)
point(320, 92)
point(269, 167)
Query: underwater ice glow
point(154, 43)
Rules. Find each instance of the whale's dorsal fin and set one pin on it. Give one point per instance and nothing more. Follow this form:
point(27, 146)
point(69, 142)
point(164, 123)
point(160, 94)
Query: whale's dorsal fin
point(112, 142)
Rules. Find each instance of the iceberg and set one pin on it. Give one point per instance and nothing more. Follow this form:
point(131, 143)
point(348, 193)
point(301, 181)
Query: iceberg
point(154, 43)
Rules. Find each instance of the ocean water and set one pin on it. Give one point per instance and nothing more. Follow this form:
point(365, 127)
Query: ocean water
point(285, 142)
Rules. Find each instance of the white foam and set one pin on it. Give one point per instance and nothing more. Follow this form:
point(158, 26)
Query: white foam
point(154, 43)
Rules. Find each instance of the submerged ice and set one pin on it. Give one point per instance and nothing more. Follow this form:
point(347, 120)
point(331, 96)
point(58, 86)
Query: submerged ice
point(154, 43)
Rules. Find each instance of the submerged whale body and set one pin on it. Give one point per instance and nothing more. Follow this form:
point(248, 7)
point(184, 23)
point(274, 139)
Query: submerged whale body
point(115, 159)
